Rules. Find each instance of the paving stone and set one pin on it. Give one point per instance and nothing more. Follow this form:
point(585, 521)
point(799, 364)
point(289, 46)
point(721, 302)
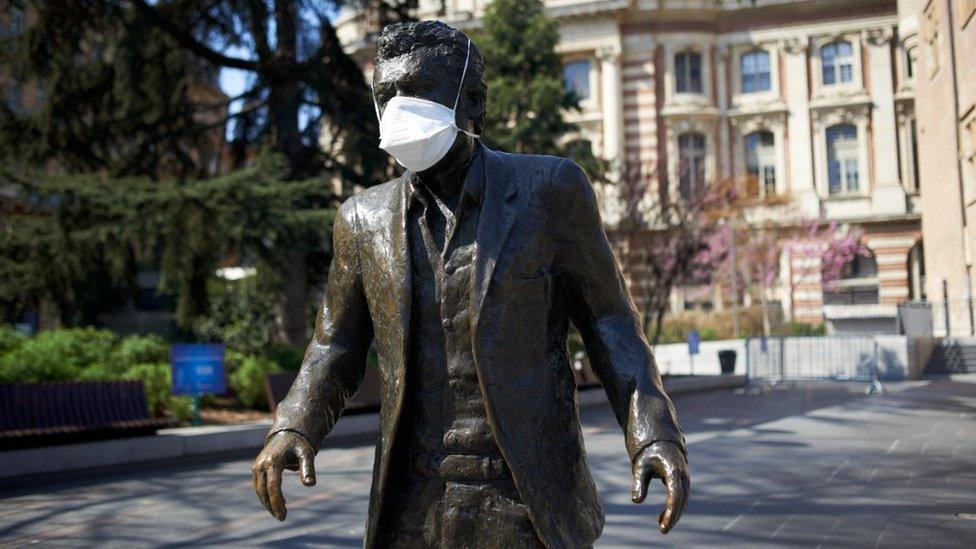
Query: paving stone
point(812, 465)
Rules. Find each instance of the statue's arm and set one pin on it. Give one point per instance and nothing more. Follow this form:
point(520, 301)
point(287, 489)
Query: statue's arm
point(335, 360)
point(604, 314)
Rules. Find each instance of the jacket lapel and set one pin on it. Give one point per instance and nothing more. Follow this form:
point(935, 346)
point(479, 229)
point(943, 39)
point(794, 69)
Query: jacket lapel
point(496, 219)
point(399, 265)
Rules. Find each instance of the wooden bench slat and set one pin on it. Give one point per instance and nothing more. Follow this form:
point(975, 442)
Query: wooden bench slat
point(44, 413)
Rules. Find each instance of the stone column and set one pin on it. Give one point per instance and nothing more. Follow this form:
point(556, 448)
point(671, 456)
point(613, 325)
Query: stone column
point(888, 196)
point(801, 179)
point(612, 102)
point(721, 60)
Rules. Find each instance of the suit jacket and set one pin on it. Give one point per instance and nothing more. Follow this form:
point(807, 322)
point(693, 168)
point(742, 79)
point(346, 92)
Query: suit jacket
point(543, 260)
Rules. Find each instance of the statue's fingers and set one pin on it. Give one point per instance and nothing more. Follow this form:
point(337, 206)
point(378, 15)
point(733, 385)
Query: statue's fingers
point(260, 486)
point(306, 463)
point(275, 496)
point(674, 503)
point(642, 478)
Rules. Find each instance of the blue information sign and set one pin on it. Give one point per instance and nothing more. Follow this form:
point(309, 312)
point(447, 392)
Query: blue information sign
point(198, 369)
point(693, 340)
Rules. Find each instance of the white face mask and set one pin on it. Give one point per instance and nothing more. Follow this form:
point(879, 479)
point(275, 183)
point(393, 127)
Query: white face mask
point(418, 133)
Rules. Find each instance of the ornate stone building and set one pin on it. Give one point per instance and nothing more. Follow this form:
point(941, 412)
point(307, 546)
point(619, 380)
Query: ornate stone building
point(812, 98)
point(940, 36)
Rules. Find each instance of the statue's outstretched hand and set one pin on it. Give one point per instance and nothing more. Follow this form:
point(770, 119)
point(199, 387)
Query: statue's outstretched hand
point(663, 460)
point(285, 450)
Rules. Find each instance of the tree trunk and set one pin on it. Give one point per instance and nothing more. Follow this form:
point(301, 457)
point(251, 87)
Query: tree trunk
point(292, 308)
point(765, 312)
point(658, 322)
point(284, 101)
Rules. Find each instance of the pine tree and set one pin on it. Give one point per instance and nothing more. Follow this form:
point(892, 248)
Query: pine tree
point(527, 98)
point(88, 230)
point(126, 85)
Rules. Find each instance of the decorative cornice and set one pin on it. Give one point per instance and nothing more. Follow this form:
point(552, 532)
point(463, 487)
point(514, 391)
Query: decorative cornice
point(749, 122)
point(839, 95)
point(841, 113)
point(690, 112)
point(608, 53)
point(904, 109)
point(794, 46)
point(879, 36)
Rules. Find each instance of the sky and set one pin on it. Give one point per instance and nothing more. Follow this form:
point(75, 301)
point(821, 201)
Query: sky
point(233, 82)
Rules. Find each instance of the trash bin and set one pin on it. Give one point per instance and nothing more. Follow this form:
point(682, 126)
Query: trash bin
point(726, 358)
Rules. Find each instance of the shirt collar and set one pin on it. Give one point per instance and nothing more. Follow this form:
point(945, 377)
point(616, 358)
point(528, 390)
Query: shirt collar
point(474, 183)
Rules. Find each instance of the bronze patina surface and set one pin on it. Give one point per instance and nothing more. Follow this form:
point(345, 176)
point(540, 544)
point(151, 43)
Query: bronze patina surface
point(467, 276)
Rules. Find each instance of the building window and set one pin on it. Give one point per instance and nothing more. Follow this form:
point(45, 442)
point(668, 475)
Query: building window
point(913, 136)
point(858, 284)
point(755, 71)
point(691, 164)
point(760, 148)
point(842, 159)
point(687, 70)
point(577, 78)
point(836, 59)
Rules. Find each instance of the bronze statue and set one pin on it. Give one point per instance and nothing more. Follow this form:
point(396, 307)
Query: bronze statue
point(467, 271)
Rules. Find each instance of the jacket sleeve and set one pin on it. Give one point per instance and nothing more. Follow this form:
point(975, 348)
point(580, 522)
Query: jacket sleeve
point(335, 360)
point(603, 312)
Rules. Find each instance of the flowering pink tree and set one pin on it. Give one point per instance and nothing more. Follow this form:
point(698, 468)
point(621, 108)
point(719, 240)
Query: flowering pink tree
point(666, 242)
point(759, 248)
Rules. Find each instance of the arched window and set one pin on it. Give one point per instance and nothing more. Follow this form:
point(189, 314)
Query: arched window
point(754, 67)
point(842, 159)
point(687, 72)
point(837, 61)
point(691, 164)
point(760, 149)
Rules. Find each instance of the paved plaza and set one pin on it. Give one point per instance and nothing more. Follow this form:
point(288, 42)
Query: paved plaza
point(815, 465)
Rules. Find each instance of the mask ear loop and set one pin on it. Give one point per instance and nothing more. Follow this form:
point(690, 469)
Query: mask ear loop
point(457, 98)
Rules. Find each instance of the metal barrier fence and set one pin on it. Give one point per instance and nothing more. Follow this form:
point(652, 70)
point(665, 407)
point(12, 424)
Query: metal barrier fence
point(776, 360)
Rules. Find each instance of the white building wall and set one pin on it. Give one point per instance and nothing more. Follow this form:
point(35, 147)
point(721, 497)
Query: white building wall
point(635, 115)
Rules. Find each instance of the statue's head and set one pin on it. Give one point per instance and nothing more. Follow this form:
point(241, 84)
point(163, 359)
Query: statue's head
point(426, 60)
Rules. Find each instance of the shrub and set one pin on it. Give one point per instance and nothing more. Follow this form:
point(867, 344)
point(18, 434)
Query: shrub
point(248, 380)
point(233, 360)
point(143, 349)
point(241, 315)
point(10, 339)
point(103, 372)
point(804, 329)
point(157, 383)
point(60, 355)
point(180, 407)
point(286, 356)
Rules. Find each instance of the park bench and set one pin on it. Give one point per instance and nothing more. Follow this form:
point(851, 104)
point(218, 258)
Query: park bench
point(41, 414)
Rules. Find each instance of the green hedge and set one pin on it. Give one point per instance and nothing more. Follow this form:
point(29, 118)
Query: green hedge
point(247, 380)
point(90, 354)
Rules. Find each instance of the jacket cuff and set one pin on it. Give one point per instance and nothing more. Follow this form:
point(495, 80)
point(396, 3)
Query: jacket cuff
point(641, 449)
point(274, 432)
